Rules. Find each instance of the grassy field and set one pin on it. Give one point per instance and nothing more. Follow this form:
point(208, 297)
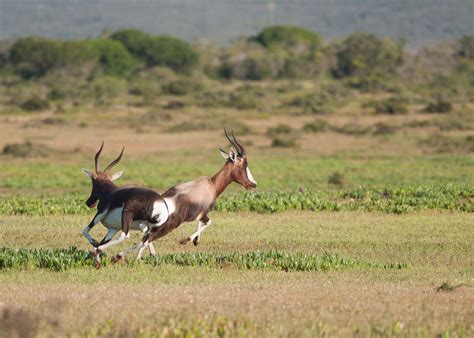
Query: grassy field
point(362, 223)
point(394, 275)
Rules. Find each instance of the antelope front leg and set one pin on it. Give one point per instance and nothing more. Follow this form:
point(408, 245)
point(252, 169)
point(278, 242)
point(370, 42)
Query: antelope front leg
point(201, 226)
point(97, 218)
point(127, 218)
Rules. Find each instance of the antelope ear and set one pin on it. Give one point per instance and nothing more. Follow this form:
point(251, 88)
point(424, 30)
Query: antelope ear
point(232, 154)
point(224, 154)
point(87, 173)
point(116, 175)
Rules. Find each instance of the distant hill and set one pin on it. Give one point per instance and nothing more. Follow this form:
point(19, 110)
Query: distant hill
point(421, 22)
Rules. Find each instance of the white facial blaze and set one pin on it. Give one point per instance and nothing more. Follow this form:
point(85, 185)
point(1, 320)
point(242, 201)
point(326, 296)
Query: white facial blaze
point(249, 175)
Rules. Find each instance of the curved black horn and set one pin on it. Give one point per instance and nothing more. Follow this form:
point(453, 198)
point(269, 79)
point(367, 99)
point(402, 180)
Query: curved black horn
point(232, 141)
point(114, 162)
point(241, 147)
point(96, 158)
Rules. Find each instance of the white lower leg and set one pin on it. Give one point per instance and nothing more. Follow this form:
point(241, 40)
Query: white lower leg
point(152, 249)
point(122, 237)
point(201, 227)
point(142, 247)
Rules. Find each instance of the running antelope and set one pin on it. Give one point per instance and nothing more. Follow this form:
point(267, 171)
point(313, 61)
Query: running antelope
point(193, 200)
point(126, 208)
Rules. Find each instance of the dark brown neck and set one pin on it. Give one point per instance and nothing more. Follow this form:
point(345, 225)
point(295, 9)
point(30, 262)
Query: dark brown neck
point(105, 188)
point(222, 179)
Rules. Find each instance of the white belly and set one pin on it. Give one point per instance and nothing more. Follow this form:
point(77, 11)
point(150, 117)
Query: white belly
point(114, 220)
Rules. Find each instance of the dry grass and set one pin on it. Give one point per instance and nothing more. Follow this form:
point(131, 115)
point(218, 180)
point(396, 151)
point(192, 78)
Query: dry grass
point(340, 305)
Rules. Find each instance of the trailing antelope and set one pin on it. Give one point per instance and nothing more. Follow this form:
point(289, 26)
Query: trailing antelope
point(126, 208)
point(193, 200)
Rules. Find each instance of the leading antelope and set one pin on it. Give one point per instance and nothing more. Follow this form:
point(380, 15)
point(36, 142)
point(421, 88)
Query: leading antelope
point(127, 208)
point(193, 200)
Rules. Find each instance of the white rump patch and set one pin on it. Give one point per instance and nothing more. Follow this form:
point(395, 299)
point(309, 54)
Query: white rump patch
point(161, 211)
point(171, 205)
point(250, 177)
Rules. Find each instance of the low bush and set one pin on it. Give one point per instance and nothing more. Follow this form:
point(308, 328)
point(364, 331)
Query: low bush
point(448, 144)
point(351, 128)
point(279, 129)
point(181, 87)
point(381, 128)
point(313, 104)
point(394, 105)
point(289, 37)
point(243, 101)
point(283, 142)
point(466, 47)
point(35, 104)
point(439, 106)
point(316, 126)
point(336, 179)
point(365, 54)
point(57, 94)
point(26, 149)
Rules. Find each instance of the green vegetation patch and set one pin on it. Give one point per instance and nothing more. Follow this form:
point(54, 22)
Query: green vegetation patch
point(398, 199)
point(72, 257)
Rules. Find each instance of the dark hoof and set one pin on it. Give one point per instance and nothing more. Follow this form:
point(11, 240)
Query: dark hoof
point(97, 265)
point(185, 241)
point(196, 241)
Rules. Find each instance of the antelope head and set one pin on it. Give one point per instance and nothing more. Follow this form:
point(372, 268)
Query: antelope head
point(240, 171)
point(101, 180)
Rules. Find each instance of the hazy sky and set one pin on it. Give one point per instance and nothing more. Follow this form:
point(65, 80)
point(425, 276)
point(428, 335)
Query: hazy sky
point(420, 21)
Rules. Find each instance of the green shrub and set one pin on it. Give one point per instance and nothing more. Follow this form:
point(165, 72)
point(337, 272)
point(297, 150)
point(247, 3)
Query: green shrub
point(104, 88)
point(256, 65)
point(351, 129)
point(466, 47)
point(393, 106)
point(316, 126)
point(147, 89)
point(181, 87)
point(35, 56)
point(362, 54)
point(439, 106)
point(289, 37)
point(313, 103)
point(171, 52)
point(35, 104)
point(174, 104)
point(158, 50)
point(134, 40)
point(280, 129)
point(243, 101)
point(57, 94)
point(336, 179)
point(113, 57)
point(283, 142)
